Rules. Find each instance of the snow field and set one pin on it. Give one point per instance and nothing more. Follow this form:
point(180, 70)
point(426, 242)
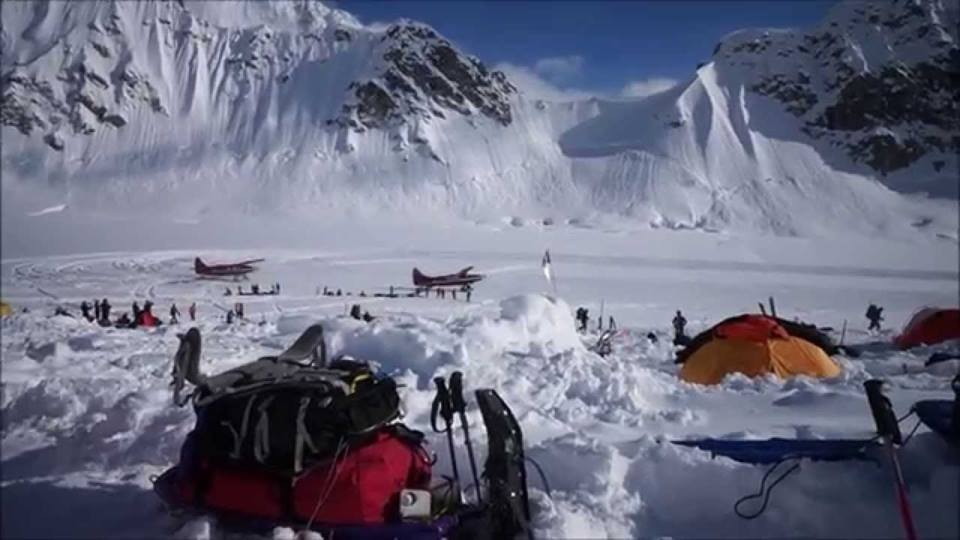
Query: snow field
point(87, 415)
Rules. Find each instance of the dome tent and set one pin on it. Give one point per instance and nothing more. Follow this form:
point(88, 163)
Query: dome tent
point(929, 326)
point(756, 345)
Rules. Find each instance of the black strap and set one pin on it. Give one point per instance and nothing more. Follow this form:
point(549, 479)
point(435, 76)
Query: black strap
point(441, 407)
point(457, 403)
point(765, 492)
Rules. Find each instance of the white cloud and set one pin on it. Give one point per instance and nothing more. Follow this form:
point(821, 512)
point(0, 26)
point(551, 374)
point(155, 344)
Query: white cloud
point(532, 85)
point(549, 79)
point(559, 68)
point(647, 87)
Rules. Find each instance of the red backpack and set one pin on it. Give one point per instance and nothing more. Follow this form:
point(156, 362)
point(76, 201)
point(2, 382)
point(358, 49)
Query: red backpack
point(361, 485)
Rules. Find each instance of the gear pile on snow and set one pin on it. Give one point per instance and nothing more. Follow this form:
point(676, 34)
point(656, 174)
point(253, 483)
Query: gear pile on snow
point(298, 440)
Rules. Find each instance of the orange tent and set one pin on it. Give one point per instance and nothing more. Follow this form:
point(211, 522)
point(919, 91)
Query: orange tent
point(753, 345)
point(929, 326)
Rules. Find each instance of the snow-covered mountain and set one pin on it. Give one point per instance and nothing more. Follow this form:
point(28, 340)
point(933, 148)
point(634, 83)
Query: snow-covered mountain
point(196, 107)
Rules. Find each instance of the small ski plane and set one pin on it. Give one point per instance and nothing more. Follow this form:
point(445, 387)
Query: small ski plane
point(238, 269)
point(459, 279)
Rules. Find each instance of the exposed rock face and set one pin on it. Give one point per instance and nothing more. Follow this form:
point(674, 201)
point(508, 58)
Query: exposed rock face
point(423, 75)
point(106, 71)
point(90, 85)
point(879, 79)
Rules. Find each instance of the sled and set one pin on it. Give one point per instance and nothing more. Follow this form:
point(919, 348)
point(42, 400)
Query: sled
point(774, 450)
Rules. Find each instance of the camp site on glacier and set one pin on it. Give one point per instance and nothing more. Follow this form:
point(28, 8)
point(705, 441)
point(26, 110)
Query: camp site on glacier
point(301, 269)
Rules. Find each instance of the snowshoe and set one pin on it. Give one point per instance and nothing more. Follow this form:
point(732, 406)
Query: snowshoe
point(506, 513)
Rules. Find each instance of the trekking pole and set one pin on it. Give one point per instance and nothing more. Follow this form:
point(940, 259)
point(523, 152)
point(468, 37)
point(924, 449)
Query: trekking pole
point(460, 407)
point(600, 320)
point(889, 432)
point(763, 310)
point(843, 332)
point(773, 307)
point(441, 405)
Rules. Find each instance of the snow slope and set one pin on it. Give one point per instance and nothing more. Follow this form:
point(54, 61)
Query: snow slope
point(210, 106)
point(201, 108)
point(88, 419)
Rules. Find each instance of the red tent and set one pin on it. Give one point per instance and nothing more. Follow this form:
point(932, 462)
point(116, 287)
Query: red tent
point(929, 326)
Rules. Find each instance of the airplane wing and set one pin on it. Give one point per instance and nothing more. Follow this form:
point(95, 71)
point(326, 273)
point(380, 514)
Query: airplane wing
point(251, 261)
point(465, 271)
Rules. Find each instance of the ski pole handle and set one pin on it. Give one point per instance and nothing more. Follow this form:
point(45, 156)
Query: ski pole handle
point(441, 404)
point(456, 392)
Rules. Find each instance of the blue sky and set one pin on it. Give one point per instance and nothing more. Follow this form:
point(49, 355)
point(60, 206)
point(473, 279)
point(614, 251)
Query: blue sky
point(605, 47)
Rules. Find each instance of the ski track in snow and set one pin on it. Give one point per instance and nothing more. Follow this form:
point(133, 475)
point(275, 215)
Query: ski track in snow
point(88, 419)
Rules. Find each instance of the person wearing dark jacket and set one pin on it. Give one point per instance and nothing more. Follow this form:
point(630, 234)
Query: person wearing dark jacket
point(105, 309)
point(96, 310)
point(874, 315)
point(174, 314)
point(85, 310)
point(583, 318)
point(136, 310)
point(355, 312)
point(679, 326)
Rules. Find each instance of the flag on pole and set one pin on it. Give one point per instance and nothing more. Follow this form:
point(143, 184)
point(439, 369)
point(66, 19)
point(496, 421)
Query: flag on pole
point(548, 271)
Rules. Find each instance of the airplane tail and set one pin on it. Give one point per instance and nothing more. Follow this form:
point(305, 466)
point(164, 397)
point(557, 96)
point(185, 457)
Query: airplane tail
point(419, 279)
point(198, 266)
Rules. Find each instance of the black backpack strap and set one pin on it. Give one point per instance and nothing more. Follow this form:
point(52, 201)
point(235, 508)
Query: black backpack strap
point(404, 433)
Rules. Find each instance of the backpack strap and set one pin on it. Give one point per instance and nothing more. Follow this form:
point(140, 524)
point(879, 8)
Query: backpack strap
point(261, 433)
point(244, 424)
point(302, 436)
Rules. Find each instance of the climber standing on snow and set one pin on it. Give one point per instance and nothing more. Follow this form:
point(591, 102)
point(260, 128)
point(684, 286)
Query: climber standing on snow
point(174, 314)
point(874, 315)
point(105, 310)
point(679, 328)
point(583, 318)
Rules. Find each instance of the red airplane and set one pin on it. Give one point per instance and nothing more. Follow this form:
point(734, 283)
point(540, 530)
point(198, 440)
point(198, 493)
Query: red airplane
point(239, 269)
point(459, 279)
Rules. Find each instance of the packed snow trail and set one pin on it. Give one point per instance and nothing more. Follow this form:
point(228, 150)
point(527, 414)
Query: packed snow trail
point(88, 417)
